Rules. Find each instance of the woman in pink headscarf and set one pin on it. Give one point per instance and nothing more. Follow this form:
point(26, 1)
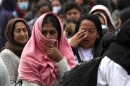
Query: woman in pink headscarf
point(47, 55)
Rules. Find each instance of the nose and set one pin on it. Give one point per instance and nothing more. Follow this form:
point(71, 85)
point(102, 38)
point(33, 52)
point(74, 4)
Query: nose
point(72, 16)
point(48, 36)
point(22, 33)
point(86, 34)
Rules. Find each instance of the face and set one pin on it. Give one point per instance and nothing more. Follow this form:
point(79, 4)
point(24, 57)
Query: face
point(79, 1)
point(90, 33)
point(49, 31)
point(21, 33)
point(43, 10)
point(73, 14)
point(55, 3)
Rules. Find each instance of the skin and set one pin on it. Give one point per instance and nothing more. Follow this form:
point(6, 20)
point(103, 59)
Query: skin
point(73, 14)
point(50, 32)
point(20, 33)
point(43, 10)
point(55, 3)
point(86, 35)
point(80, 2)
point(102, 20)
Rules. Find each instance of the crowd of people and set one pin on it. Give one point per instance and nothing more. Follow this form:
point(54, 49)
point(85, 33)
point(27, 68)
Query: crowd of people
point(41, 40)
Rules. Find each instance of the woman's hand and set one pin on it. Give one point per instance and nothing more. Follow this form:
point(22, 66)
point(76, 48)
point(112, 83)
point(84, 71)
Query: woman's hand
point(53, 53)
point(77, 38)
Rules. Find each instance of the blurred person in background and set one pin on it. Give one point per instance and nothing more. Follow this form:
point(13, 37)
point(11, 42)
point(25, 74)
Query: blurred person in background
point(56, 6)
point(106, 18)
point(69, 28)
point(42, 8)
point(72, 11)
point(32, 12)
point(17, 34)
point(61, 14)
point(21, 8)
point(124, 15)
point(7, 7)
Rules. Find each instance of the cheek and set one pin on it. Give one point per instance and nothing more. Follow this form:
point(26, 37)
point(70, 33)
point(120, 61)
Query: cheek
point(56, 36)
point(27, 34)
point(15, 36)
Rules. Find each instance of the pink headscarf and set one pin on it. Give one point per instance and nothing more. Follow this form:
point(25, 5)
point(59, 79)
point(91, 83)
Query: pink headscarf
point(35, 66)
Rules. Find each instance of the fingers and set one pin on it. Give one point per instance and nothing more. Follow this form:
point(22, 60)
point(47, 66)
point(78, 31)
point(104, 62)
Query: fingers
point(80, 34)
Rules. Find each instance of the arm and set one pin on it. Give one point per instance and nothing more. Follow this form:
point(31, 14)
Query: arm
point(62, 67)
point(11, 67)
point(4, 77)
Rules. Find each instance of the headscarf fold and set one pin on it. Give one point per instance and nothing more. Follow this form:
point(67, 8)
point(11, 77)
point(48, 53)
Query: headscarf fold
point(35, 65)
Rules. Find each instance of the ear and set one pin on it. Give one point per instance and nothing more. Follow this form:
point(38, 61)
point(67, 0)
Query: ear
point(98, 35)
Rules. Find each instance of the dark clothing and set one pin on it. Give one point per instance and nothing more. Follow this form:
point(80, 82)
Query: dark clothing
point(29, 16)
point(107, 39)
point(7, 8)
point(120, 55)
point(5, 16)
point(118, 51)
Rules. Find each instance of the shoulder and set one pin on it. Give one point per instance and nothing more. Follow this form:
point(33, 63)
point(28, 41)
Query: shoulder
point(111, 73)
point(110, 68)
point(107, 64)
point(7, 54)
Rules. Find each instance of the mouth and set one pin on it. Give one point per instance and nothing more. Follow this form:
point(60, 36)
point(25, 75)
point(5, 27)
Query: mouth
point(86, 41)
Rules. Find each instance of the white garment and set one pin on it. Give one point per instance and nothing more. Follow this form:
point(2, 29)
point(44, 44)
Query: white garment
point(4, 76)
point(11, 62)
point(85, 54)
point(112, 74)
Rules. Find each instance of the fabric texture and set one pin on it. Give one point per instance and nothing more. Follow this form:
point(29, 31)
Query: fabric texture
point(84, 74)
point(114, 69)
point(103, 9)
point(35, 65)
point(11, 62)
point(4, 76)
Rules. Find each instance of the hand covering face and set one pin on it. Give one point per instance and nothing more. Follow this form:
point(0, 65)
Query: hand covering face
point(35, 65)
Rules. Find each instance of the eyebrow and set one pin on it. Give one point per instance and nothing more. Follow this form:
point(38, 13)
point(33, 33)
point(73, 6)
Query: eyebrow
point(48, 30)
point(20, 28)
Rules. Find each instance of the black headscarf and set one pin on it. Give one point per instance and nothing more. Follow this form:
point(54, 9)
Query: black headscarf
point(11, 44)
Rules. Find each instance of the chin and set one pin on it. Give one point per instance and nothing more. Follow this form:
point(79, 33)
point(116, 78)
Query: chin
point(23, 42)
